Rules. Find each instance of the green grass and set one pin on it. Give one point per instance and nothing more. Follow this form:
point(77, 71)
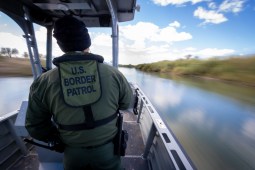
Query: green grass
point(232, 69)
point(241, 70)
point(127, 66)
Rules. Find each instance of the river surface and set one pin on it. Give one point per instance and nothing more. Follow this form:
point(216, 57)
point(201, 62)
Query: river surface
point(213, 121)
point(13, 90)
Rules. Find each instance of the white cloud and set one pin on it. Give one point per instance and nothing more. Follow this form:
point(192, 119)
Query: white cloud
point(175, 2)
point(204, 53)
point(41, 40)
point(169, 34)
point(101, 44)
point(210, 16)
point(12, 41)
point(148, 31)
point(169, 2)
point(101, 39)
point(197, 1)
point(234, 6)
point(155, 44)
point(215, 15)
point(41, 34)
point(226, 6)
point(190, 49)
point(214, 52)
point(145, 42)
point(139, 32)
point(136, 44)
point(158, 49)
point(41, 43)
point(175, 24)
point(212, 5)
point(18, 42)
point(166, 52)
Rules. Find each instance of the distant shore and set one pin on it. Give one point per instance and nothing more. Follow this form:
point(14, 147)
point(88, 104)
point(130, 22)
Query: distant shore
point(232, 70)
point(15, 67)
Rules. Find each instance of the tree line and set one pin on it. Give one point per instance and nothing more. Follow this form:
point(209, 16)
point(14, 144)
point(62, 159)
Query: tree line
point(6, 51)
point(9, 52)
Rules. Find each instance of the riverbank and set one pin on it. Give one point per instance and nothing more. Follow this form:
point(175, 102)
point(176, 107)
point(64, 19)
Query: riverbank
point(233, 70)
point(236, 70)
point(15, 67)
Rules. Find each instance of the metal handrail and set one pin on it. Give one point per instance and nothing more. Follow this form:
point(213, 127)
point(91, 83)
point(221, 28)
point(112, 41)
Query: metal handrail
point(158, 128)
point(12, 146)
point(8, 115)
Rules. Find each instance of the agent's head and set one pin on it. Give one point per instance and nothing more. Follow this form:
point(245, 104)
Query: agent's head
point(71, 34)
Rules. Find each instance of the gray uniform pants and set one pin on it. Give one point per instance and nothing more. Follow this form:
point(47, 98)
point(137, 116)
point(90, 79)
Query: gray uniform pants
point(100, 158)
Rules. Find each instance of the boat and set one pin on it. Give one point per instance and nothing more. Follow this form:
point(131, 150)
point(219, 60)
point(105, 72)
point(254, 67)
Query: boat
point(152, 145)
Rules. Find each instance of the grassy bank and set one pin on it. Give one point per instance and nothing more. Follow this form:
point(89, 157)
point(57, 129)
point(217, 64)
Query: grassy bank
point(15, 67)
point(240, 70)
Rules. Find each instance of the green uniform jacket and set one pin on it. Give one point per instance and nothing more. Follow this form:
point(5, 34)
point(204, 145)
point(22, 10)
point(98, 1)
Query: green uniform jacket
point(46, 103)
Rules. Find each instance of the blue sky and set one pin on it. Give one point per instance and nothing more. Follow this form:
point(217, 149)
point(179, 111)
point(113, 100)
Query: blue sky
point(166, 30)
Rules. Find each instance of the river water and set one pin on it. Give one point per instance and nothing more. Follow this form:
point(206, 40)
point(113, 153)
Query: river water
point(213, 121)
point(13, 90)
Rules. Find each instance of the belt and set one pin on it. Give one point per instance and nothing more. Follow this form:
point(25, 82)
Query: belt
point(97, 146)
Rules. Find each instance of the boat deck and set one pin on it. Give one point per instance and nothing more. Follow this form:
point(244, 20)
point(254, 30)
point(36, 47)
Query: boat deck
point(132, 161)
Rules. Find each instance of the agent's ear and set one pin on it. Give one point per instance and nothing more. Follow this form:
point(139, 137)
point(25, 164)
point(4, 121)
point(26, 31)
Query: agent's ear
point(87, 50)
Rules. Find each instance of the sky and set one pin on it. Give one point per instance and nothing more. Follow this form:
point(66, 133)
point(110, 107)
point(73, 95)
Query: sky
point(164, 30)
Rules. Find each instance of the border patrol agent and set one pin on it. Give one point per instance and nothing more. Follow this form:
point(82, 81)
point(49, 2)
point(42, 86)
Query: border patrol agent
point(82, 95)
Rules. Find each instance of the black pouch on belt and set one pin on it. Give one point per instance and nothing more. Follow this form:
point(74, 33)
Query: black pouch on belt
point(124, 139)
point(121, 138)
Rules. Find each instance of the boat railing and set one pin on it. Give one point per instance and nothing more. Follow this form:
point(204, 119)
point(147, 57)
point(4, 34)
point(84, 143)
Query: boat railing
point(12, 148)
point(162, 149)
point(48, 160)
